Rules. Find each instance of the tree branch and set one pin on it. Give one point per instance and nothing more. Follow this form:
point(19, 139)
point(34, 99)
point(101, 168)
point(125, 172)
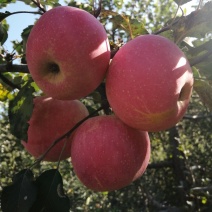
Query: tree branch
point(201, 189)
point(98, 10)
point(67, 134)
point(7, 14)
point(14, 68)
point(30, 12)
point(162, 164)
point(200, 58)
point(197, 117)
point(38, 4)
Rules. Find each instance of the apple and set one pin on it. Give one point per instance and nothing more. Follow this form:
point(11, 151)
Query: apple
point(107, 154)
point(51, 119)
point(67, 53)
point(149, 83)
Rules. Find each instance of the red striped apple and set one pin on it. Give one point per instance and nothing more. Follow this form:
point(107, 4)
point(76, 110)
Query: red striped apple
point(107, 154)
point(149, 83)
point(67, 53)
point(51, 119)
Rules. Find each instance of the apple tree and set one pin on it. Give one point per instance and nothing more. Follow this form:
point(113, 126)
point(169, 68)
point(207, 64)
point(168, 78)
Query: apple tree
point(62, 154)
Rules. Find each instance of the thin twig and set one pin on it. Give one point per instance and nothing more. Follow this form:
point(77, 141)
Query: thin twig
point(166, 28)
point(67, 134)
point(162, 164)
point(197, 117)
point(200, 4)
point(20, 12)
point(37, 3)
point(30, 12)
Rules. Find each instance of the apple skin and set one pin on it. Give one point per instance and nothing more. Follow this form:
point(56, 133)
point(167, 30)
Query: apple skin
point(149, 83)
point(67, 53)
point(51, 119)
point(107, 154)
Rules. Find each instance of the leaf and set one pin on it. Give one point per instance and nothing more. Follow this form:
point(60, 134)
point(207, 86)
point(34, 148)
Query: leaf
point(3, 34)
point(25, 35)
point(3, 93)
point(132, 26)
point(204, 90)
point(4, 15)
point(206, 46)
point(50, 193)
point(196, 24)
point(21, 195)
point(181, 2)
point(20, 110)
point(4, 3)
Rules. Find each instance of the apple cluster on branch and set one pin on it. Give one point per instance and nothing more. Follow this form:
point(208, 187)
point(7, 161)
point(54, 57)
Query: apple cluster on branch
point(148, 86)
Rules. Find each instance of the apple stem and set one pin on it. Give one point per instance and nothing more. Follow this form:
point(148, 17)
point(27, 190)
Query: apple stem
point(53, 68)
point(67, 134)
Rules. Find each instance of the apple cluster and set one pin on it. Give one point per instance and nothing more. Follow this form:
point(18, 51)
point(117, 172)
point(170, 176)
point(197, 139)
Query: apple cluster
point(148, 86)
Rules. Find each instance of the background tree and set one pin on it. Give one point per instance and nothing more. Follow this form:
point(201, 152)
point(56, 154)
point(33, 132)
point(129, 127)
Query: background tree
point(179, 176)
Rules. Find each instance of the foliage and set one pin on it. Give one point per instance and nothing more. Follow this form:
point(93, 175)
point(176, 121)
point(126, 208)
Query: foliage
point(179, 175)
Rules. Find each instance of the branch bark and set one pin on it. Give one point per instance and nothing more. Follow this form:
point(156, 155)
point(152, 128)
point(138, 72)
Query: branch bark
point(67, 134)
point(181, 172)
point(14, 68)
point(197, 117)
point(159, 165)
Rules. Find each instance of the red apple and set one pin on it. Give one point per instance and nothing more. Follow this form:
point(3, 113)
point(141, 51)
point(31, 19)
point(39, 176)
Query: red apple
point(149, 83)
point(51, 119)
point(107, 154)
point(67, 53)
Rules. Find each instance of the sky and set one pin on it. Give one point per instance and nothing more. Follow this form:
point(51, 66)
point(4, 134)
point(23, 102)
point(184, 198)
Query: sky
point(19, 22)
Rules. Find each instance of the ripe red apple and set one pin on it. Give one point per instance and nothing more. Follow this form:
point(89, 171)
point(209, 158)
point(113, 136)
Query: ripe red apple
point(107, 154)
point(51, 119)
point(67, 53)
point(149, 83)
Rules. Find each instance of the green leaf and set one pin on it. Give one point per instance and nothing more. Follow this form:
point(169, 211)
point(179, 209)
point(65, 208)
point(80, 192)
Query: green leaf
point(21, 195)
point(3, 93)
point(205, 67)
point(3, 34)
point(196, 24)
point(51, 196)
point(4, 15)
point(20, 110)
point(204, 90)
point(204, 200)
point(25, 35)
point(86, 7)
point(120, 21)
point(4, 3)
